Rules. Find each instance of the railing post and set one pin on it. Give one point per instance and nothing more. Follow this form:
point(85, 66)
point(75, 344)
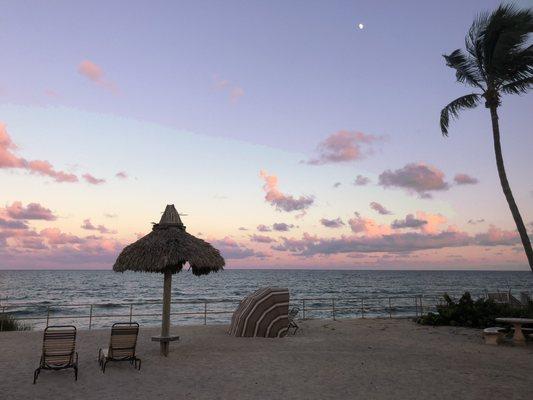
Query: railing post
point(333, 308)
point(303, 308)
point(421, 307)
point(205, 312)
point(47, 315)
point(3, 317)
point(362, 307)
point(390, 309)
point(91, 317)
point(416, 306)
point(131, 311)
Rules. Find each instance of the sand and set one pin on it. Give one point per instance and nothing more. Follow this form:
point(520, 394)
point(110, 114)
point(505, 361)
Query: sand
point(349, 359)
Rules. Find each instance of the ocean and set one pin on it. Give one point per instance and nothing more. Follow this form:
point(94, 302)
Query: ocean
point(69, 294)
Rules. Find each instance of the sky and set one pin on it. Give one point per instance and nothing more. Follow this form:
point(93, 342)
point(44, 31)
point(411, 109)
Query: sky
point(286, 135)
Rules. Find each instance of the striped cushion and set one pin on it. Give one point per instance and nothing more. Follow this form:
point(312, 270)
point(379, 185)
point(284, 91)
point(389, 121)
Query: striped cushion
point(123, 341)
point(59, 346)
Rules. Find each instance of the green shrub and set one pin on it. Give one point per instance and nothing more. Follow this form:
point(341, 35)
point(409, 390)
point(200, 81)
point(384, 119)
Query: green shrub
point(480, 313)
point(8, 323)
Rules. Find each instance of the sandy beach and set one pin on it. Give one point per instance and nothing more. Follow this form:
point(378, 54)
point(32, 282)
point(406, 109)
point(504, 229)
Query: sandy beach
point(349, 359)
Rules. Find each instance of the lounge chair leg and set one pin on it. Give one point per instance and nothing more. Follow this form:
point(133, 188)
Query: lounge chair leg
point(103, 367)
point(139, 364)
point(36, 375)
point(76, 373)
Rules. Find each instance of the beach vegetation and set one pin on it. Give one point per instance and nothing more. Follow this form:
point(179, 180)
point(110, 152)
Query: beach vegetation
point(467, 312)
point(8, 323)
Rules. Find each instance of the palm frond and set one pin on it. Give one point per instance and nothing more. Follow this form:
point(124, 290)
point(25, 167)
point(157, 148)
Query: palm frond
point(452, 109)
point(504, 38)
point(519, 65)
point(466, 68)
point(519, 86)
point(474, 41)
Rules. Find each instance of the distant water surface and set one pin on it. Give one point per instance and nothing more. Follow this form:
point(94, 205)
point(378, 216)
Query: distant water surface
point(111, 292)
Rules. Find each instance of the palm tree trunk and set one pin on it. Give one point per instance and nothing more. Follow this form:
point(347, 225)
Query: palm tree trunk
point(507, 189)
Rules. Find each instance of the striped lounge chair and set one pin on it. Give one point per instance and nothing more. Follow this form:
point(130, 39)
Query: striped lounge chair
point(59, 350)
point(122, 345)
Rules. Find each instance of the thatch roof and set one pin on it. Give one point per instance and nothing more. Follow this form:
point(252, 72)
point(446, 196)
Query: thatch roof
point(167, 248)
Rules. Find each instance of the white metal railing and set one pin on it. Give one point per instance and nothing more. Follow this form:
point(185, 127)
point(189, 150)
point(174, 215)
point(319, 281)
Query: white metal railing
point(322, 307)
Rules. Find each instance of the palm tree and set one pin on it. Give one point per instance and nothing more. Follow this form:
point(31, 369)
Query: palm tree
point(498, 60)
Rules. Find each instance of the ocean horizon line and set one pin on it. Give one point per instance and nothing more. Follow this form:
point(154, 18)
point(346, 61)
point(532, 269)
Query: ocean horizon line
point(384, 269)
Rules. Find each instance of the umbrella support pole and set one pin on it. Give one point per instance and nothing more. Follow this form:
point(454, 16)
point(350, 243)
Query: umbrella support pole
point(165, 338)
point(165, 324)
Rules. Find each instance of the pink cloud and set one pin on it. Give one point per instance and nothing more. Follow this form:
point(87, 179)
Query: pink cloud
point(296, 245)
point(91, 71)
point(235, 92)
point(497, 237)
point(22, 246)
point(343, 146)
point(231, 249)
point(9, 160)
point(46, 169)
point(220, 83)
point(379, 208)
point(419, 178)
point(51, 93)
point(263, 228)
point(367, 226)
point(31, 211)
point(54, 236)
point(465, 179)
point(281, 201)
point(88, 225)
point(92, 180)
point(121, 175)
point(52, 248)
point(433, 221)
point(94, 73)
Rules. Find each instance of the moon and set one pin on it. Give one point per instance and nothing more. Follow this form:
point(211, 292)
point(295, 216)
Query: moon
point(361, 26)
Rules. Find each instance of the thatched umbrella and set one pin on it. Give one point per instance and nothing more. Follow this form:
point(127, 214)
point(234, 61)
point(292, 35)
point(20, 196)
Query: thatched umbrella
point(165, 250)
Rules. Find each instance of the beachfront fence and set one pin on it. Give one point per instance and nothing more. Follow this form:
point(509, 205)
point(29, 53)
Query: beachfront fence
point(203, 311)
